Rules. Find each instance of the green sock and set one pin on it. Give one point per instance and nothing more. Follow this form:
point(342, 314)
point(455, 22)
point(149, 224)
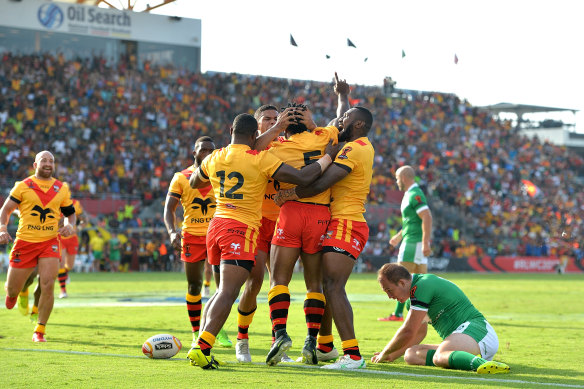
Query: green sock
point(399, 309)
point(461, 360)
point(430, 357)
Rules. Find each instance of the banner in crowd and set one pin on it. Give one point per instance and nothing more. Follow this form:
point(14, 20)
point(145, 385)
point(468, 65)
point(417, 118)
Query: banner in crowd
point(487, 264)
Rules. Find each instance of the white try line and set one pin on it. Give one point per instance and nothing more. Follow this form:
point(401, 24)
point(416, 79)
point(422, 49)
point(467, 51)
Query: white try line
point(360, 371)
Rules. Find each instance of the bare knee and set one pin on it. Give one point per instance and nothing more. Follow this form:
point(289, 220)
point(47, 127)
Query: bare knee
point(415, 355)
point(441, 359)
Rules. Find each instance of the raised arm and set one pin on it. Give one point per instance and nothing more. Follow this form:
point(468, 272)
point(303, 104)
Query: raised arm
point(285, 118)
point(342, 90)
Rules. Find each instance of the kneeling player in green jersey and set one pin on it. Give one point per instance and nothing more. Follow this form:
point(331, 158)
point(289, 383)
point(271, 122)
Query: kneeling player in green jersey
point(464, 330)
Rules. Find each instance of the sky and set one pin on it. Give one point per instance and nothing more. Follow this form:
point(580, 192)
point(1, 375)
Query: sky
point(524, 52)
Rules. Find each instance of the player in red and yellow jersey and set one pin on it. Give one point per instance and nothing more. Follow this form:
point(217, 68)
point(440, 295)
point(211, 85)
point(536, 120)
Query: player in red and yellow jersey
point(190, 240)
point(350, 179)
point(299, 231)
point(69, 246)
point(40, 200)
point(267, 118)
point(239, 176)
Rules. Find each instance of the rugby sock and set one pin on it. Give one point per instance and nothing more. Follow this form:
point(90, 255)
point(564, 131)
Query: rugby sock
point(430, 358)
point(34, 310)
point(39, 328)
point(206, 342)
point(194, 310)
point(206, 283)
point(244, 320)
point(279, 301)
point(325, 343)
point(351, 348)
point(461, 360)
point(63, 278)
point(313, 310)
point(399, 309)
point(24, 294)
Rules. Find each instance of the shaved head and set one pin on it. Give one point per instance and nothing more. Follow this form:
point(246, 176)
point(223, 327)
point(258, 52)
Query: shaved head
point(405, 177)
point(43, 154)
point(406, 172)
point(44, 165)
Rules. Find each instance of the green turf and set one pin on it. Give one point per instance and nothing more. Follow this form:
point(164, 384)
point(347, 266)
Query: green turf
point(95, 337)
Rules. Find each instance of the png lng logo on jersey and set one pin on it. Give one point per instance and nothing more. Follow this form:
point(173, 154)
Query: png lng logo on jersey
point(280, 232)
point(203, 204)
point(42, 213)
point(356, 244)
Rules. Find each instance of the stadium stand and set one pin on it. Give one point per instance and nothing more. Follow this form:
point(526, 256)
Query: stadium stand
point(123, 131)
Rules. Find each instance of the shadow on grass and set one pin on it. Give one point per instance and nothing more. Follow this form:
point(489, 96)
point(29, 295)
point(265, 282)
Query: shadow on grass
point(100, 326)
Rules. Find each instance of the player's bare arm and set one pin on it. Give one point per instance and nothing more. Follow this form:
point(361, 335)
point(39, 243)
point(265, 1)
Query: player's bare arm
point(405, 337)
point(7, 209)
point(342, 90)
point(170, 206)
point(426, 217)
point(198, 179)
point(330, 177)
point(396, 239)
point(69, 222)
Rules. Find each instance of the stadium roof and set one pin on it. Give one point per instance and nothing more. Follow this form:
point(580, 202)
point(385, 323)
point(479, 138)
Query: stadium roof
point(520, 109)
point(127, 5)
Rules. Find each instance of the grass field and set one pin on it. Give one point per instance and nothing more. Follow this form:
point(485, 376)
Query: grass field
point(95, 337)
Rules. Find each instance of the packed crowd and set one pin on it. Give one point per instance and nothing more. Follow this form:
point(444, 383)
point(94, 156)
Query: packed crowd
point(126, 131)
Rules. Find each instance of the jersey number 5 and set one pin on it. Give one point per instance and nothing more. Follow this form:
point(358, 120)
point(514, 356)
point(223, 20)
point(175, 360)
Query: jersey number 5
point(230, 194)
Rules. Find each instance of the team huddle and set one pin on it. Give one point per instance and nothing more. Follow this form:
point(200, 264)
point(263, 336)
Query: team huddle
point(263, 202)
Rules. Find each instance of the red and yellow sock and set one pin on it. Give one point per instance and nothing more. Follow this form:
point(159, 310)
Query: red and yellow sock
point(63, 278)
point(244, 320)
point(39, 328)
point(206, 342)
point(279, 301)
point(325, 343)
point(351, 348)
point(313, 310)
point(194, 310)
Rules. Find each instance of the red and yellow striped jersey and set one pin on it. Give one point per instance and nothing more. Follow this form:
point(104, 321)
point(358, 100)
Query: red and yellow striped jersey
point(349, 194)
point(239, 177)
point(198, 204)
point(39, 204)
point(302, 149)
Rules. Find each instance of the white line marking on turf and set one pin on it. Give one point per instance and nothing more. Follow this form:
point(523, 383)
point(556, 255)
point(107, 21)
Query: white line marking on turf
point(360, 371)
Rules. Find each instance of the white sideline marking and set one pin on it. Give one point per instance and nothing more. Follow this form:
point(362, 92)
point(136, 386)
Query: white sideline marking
point(360, 371)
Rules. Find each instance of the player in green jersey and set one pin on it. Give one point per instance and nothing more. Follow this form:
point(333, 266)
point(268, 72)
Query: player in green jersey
point(464, 330)
point(416, 231)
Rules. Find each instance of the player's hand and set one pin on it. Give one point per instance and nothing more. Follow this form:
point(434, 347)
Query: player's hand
point(379, 357)
point(341, 87)
point(5, 237)
point(175, 241)
point(426, 250)
point(305, 117)
point(285, 118)
point(67, 230)
point(285, 195)
point(333, 149)
point(394, 241)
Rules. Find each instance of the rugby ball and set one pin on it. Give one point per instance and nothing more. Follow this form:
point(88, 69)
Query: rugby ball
point(161, 346)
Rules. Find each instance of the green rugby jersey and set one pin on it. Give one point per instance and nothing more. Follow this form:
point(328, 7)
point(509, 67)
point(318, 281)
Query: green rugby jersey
point(446, 305)
point(413, 202)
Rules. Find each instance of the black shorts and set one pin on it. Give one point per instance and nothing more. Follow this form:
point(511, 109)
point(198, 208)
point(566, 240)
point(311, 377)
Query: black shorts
point(247, 265)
